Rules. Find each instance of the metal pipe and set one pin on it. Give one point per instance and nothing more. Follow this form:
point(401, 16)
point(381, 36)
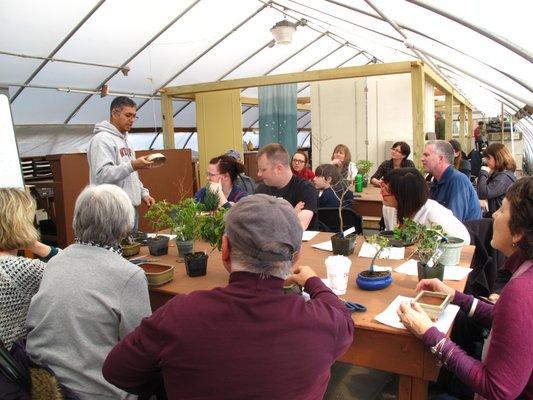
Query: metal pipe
point(139, 51)
point(84, 91)
point(57, 48)
point(498, 39)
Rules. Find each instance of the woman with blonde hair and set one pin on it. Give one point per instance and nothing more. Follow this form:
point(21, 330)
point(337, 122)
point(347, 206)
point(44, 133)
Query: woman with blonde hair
point(20, 277)
point(342, 159)
point(496, 177)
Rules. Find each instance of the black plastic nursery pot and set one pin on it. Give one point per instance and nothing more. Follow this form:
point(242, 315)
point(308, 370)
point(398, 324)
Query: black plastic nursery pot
point(425, 272)
point(343, 246)
point(184, 247)
point(158, 246)
point(196, 263)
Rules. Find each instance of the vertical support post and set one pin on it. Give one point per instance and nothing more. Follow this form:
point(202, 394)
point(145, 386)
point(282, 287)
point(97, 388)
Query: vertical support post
point(502, 124)
point(462, 109)
point(470, 131)
point(168, 121)
point(219, 119)
point(418, 111)
point(449, 116)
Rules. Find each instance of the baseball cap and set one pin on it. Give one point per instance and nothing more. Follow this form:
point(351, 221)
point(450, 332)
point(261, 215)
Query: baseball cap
point(258, 222)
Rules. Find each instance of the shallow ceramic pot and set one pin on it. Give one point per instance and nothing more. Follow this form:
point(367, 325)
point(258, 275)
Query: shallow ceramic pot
point(129, 250)
point(367, 280)
point(157, 274)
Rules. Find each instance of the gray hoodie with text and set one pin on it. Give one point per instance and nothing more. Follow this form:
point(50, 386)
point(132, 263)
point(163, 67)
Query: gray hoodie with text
point(110, 157)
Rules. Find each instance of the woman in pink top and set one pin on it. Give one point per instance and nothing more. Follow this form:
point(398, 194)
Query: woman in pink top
point(506, 369)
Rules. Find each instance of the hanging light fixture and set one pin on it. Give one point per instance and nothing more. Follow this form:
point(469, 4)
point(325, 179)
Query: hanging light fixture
point(283, 31)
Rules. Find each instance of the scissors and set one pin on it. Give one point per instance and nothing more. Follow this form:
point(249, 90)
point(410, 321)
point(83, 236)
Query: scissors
point(354, 307)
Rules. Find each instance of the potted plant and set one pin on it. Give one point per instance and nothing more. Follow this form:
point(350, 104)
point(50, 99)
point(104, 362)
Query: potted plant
point(129, 246)
point(184, 221)
point(429, 251)
point(371, 279)
point(363, 168)
point(158, 215)
point(343, 245)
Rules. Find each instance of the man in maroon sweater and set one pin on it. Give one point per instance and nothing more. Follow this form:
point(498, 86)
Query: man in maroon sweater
point(248, 339)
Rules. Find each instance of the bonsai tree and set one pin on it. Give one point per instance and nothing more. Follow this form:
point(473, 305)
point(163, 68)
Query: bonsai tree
point(159, 215)
point(184, 220)
point(211, 227)
point(380, 243)
point(363, 167)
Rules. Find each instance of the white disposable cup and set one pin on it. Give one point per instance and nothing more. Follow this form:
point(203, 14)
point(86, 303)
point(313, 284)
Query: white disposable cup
point(338, 270)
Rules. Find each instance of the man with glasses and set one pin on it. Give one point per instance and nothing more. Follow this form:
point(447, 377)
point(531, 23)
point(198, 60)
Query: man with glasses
point(112, 159)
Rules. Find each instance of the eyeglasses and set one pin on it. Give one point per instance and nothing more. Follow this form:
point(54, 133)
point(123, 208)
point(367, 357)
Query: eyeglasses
point(296, 161)
point(210, 175)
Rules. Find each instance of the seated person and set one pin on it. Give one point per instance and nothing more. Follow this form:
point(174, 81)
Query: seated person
point(398, 153)
point(459, 163)
point(505, 370)
point(449, 187)
point(406, 192)
point(278, 180)
point(329, 183)
point(496, 177)
point(299, 166)
point(222, 172)
point(243, 181)
point(90, 296)
point(247, 340)
point(342, 159)
point(19, 276)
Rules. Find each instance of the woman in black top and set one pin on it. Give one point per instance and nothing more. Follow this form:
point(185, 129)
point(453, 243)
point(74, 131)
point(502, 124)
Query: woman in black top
point(399, 153)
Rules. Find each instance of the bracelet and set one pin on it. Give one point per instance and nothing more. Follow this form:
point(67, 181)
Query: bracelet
point(437, 349)
point(473, 308)
point(448, 356)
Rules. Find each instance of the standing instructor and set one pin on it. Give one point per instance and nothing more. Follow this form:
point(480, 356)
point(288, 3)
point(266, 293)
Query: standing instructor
point(112, 159)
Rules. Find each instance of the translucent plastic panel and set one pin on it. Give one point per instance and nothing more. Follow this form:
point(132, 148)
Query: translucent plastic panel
point(16, 70)
point(118, 29)
point(71, 75)
point(250, 117)
point(36, 27)
point(96, 109)
point(269, 58)
point(335, 59)
point(304, 120)
point(187, 117)
point(150, 114)
point(304, 139)
point(194, 33)
point(37, 106)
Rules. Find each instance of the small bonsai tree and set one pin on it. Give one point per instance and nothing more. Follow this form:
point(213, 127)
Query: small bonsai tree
point(380, 243)
point(159, 215)
point(184, 219)
point(363, 167)
point(211, 227)
point(427, 239)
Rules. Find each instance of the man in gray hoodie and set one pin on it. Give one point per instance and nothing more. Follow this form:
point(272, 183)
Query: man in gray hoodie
point(112, 159)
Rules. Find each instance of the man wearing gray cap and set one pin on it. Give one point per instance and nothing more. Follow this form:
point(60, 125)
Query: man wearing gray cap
point(248, 339)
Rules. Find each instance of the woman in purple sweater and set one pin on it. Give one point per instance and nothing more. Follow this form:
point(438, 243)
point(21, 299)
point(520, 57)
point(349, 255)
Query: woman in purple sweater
point(506, 369)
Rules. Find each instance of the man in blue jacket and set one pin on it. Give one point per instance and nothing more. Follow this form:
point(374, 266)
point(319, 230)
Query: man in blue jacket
point(450, 187)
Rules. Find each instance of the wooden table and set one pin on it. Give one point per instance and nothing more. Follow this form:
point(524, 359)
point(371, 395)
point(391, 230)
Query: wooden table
point(370, 203)
point(375, 345)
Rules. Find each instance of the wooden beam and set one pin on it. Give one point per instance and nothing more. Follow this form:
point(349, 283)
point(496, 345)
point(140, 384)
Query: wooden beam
point(448, 117)
point(470, 131)
point(167, 113)
point(403, 67)
point(439, 103)
point(418, 111)
point(462, 140)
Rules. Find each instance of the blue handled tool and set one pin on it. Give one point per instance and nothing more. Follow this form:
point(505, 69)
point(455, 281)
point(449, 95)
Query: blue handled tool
point(354, 307)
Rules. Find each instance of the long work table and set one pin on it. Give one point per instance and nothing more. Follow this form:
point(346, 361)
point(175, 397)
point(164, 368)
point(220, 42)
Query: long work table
point(375, 345)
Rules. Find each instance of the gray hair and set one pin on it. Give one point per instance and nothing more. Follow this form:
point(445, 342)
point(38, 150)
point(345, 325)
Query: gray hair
point(103, 214)
point(241, 261)
point(443, 148)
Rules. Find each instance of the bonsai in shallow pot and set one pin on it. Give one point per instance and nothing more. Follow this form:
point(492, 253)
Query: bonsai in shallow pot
point(158, 215)
point(363, 168)
point(129, 246)
point(184, 223)
point(372, 279)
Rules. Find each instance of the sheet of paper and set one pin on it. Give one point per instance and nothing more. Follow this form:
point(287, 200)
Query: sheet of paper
point(151, 235)
point(390, 253)
point(451, 272)
point(308, 235)
point(390, 316)
point(379, 268)
point(323, 246)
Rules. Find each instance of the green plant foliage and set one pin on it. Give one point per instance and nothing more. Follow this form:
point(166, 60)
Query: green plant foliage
point(363, 166)
point(184, 219)
point(211, 199)
point(211, 227)
point(159, 215)
point(427, 239)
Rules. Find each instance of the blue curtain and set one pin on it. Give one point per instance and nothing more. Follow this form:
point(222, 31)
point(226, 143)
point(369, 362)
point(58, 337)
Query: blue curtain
point(277, 116)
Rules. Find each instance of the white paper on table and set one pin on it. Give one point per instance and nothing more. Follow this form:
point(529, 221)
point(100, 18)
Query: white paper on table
point(391, 253)
point(170, 237)
point(451, 272)
point(378, 268)
point(323, 246)
point(390, 315)
point(308, 235)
